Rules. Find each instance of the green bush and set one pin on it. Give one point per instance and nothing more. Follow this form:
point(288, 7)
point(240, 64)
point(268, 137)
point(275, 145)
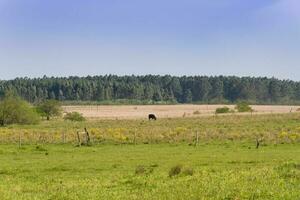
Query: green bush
point(144, 170)
point(14, 110)
point(176, 170)
point(139, 170)
point(222, 110)
point(74, 116)
point(197, 112)
point(243, 107)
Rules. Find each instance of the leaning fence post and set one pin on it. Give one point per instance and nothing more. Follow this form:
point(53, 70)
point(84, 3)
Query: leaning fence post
point(257, 143)
point(88, 139)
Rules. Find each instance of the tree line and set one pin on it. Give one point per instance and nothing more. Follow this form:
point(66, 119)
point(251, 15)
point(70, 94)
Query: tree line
point(156, 89)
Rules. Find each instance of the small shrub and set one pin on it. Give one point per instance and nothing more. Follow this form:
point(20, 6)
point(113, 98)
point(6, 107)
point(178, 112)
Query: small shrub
point(188, 172)
point(176, 170)
point(143, 170)
point(74, 116)
point(222, 110)
point(197, 112)
point(114, 166)
point(243, 107)
point(140, 170)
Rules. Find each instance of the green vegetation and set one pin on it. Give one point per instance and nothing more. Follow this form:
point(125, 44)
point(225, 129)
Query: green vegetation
point(74, 116)
point(221, 171)
point(243, 107)
point(176, 170)
point(185, 158)
point(49, 108)
point(222, 110)
point(13, 110)
point(274, 129)
point(152, 89)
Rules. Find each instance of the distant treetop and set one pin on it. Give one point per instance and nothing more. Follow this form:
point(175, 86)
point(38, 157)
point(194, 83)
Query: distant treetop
point(154, 88)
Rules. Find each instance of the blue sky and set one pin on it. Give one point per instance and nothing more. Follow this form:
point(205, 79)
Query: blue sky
point(190, 37)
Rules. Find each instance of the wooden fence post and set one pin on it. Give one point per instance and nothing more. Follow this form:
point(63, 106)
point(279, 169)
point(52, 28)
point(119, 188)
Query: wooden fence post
point(197, 138)
point(134, 138)
point(63, 137)
point(78, 138)
point(88, 139)
point(20, 139)
point(257, 143)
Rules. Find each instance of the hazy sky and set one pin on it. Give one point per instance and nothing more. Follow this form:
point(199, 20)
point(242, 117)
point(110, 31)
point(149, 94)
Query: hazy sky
point(178, 37)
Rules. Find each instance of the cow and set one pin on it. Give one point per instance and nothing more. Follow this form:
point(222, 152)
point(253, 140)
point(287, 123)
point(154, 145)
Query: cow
point(152, 117)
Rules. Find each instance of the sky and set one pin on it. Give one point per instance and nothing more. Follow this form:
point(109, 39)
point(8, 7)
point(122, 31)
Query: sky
point(124, 37)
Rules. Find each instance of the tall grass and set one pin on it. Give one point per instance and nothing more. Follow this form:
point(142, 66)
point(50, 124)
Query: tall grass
point(281, 128)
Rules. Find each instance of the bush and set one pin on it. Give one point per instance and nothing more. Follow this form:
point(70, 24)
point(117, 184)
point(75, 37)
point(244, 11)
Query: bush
point(144, 170)
point(74, 116)
point(176, 170)
point(14, 110)
point(243, 107)
point(139, 170)
point(222, 110)
point(197, 112)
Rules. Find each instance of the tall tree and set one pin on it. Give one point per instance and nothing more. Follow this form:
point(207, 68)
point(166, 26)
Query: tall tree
point(49, 108)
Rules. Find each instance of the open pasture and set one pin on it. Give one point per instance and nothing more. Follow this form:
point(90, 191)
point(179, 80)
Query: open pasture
point(208, 171)
point(165, 111)
point(212, 157)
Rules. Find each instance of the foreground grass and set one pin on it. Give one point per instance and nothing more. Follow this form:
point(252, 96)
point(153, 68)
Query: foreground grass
point(221, 171)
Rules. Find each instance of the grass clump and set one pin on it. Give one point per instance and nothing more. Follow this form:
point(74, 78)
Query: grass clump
point(144, 170)
point(140, 170)
point(176, 170)
point(188, 171)
point(40, 148)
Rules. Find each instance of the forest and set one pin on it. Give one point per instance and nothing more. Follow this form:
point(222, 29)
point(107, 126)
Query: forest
point(151, 89)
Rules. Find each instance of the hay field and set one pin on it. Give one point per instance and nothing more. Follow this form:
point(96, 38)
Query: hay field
point(165, 111)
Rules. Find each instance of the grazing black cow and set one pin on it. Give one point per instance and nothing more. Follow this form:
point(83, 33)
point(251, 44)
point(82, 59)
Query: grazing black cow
point(152, 117)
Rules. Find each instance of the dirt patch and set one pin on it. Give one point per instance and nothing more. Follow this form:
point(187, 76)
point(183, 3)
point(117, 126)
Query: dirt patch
point(164, 111)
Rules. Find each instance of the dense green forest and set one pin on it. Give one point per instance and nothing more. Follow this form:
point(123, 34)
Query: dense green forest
point(154, 89)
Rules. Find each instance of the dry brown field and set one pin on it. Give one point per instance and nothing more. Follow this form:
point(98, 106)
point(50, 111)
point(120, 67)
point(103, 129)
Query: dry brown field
point(165, 111)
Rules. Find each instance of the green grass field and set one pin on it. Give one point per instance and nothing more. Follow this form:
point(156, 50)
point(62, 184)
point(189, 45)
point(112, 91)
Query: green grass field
point(221, 171)
point(224, 165)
